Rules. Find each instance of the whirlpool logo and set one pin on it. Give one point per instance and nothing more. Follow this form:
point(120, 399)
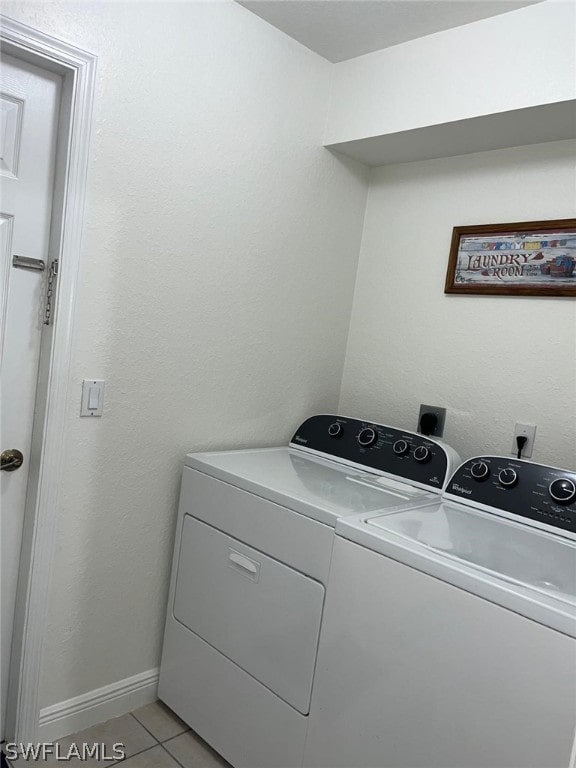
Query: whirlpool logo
point(460, 489)
point(299, 439)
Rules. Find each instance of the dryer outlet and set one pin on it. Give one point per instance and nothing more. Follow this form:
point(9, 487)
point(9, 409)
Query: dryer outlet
point(431, 419)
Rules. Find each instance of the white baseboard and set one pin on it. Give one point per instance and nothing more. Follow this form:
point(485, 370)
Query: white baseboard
point(98, 706)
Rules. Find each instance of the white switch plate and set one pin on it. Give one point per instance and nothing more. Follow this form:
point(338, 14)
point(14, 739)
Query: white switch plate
point(529, 431)
point(92, 397)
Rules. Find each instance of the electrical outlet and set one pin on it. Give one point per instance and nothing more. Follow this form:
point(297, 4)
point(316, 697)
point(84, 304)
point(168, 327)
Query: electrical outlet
point(440, 414)
point(529, 431)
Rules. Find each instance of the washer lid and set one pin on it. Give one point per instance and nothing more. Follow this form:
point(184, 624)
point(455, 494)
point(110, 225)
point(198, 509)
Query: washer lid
point(318, 488)
point(545, 562)
point(527, 570)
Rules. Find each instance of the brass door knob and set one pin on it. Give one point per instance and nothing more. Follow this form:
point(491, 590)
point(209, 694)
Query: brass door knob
point(10, 459)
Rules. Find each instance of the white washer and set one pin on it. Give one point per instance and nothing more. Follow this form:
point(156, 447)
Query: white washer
point(252, 553)
point(448, 638)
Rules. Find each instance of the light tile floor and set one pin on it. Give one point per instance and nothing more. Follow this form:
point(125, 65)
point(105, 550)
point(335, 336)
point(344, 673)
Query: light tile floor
point(153, 736)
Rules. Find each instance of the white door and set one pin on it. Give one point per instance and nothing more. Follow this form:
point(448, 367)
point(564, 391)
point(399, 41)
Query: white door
point(30, 100)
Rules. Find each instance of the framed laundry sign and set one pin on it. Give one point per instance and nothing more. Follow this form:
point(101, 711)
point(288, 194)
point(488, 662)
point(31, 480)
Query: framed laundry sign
point(529, 258)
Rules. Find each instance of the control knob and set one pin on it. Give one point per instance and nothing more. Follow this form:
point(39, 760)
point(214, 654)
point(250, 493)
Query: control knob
point(367, 436)
point(400, 447)
point(422, 454)
point(335, 430)
point(562, 490)
point(480, 470)
point(508, 478)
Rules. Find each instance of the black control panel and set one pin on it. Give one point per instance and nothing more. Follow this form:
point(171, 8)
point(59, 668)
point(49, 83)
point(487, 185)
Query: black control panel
point(533, 491)
point(376, 447)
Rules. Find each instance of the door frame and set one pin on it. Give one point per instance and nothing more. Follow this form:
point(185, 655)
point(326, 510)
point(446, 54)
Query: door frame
point(47, 471)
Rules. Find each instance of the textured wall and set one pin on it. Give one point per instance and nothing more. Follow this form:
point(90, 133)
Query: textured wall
point(220, 250)
point(491, 361)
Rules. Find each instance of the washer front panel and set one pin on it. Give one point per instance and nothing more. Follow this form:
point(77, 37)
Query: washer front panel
point(413, 673)
point(504, 562)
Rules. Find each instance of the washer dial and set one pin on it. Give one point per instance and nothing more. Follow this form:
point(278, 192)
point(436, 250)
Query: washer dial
point(562, 490)
point(480, 470)
point(367, 436)
point(508, 477)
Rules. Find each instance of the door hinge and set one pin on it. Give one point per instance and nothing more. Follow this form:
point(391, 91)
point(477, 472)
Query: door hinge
point(50, 291)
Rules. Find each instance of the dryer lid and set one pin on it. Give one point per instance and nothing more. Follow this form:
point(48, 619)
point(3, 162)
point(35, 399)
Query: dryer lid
point(319, 488)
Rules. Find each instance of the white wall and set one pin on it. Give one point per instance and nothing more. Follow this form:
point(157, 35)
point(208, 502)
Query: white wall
point(512, 61)
point(220, 251)
point(491, 361)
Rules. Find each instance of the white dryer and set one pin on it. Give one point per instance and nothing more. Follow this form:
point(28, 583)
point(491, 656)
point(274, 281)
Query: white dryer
point(448, 638)
point(253, 547)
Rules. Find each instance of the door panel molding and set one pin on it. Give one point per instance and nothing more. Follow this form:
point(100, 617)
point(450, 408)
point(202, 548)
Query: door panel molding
point(6, 234)
point(78, 68)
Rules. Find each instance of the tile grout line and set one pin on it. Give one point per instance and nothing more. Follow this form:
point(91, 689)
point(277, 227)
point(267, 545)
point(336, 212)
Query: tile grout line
point(135, 754)
point(141, 751)
point(220, 758)
point(172, 756)
point(146, 729)
point(186, 729)
point(158, 742)
point(148, 749)
point(175, 736)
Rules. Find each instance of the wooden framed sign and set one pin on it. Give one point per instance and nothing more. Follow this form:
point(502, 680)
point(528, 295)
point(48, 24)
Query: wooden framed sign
point(529, 258)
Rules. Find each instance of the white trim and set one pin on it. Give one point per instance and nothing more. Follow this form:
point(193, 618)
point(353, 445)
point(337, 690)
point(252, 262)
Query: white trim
point(79, 73)
point(98, 706)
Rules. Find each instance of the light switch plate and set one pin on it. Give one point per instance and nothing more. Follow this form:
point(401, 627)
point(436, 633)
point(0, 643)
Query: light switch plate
point(92, 397)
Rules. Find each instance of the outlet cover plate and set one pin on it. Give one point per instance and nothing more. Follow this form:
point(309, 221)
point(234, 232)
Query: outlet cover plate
point(440, 414)
point(529, 431)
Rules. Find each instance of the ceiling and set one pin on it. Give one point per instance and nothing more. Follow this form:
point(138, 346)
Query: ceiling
point(343, 29)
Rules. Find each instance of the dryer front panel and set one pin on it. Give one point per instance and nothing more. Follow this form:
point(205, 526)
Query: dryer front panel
point(261, 614)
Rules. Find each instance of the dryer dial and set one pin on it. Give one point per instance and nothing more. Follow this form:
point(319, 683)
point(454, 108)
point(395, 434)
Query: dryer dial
point(335, 430)
point(422, 454)
point(367, 436)
point(400, 447)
